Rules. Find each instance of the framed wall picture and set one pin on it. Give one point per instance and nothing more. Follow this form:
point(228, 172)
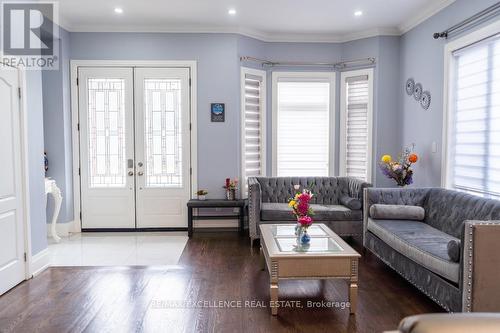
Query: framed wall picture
point(217, 112)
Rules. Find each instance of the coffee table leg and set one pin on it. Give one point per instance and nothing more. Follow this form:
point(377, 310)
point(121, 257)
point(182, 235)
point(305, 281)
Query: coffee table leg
point(274, 298)
point(262, 260)
point(353, 296)
point(353, 286)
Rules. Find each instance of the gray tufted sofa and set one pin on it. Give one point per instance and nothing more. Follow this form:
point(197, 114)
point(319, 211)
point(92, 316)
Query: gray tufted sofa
point(468, 281)
point(268, 202)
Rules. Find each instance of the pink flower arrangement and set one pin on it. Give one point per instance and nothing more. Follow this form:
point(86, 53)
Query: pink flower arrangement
point(300, 204)
point(305, 221)
point(231, 184)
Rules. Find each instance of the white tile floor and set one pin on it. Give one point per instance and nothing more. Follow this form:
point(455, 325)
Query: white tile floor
point(118, 249)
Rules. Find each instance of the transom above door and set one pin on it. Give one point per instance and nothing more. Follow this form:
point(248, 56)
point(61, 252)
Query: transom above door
point(134, 147)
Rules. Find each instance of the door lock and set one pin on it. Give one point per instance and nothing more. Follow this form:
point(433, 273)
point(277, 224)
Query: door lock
point(140, 164)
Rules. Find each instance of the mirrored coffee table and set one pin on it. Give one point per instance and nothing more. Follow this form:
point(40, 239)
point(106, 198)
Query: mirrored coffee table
point(327, 257)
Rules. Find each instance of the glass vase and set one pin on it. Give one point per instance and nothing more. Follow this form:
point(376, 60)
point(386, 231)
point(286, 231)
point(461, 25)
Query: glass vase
point(305, 239)
point(231, 194)
point(298, 231)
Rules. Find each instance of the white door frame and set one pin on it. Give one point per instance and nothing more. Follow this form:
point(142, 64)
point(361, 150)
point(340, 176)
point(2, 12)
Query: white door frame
point(191, 64)
point(23, 104)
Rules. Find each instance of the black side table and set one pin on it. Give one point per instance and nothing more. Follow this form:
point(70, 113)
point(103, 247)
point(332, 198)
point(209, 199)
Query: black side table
point(215, 203)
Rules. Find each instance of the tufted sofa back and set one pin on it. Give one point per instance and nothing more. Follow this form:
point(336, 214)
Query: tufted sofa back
point(447, 210)
point(327, 190)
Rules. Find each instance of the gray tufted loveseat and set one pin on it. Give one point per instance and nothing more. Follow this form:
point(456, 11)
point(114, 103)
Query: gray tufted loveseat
point(467, 279)
point(268, 202)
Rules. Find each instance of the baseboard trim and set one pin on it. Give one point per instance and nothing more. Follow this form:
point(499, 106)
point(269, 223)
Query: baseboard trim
point(133, 229)
point(62, 229)
point(40, 262)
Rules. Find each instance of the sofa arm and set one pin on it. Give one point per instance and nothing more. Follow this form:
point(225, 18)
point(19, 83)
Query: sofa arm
point(356, 187)
point(481, 266)
point(450, 322)
point(254, 201)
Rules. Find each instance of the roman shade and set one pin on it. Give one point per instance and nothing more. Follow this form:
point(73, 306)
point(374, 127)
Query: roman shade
point(475, 118)
point(303, 125)
point(253, 142)
point(357, 127)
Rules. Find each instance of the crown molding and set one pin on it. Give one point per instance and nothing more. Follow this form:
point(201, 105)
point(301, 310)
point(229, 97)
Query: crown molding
point(292, 37)
point(252, 33)
point(427, 12)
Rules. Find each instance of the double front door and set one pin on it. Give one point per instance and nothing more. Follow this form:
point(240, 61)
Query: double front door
point(134, 147)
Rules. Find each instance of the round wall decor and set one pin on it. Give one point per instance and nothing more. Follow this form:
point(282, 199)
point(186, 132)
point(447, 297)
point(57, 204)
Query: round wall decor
point(425, 100)
point(417, 93)
point(410, 86)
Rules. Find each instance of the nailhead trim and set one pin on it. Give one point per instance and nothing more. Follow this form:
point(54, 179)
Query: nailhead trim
point(469, 264)
point(411, 281)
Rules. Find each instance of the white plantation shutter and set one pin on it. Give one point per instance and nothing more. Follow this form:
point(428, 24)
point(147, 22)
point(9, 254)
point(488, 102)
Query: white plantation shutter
point(475, 114)
point(303, 118)
point(356, 127)
point(356, 124)
point(253, 104)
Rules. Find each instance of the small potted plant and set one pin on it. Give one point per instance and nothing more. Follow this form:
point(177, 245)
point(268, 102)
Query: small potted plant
point(202, 194)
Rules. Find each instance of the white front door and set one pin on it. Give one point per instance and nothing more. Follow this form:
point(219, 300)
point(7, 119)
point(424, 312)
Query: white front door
point(12, 245)
point(107, 147)
point(162, 146)
point(135, 157)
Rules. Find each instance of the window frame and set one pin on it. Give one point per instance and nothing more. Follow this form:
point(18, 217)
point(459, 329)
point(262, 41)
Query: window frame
point(448, 94)
point(304, 77)
point(263, 123)
point(343, 114)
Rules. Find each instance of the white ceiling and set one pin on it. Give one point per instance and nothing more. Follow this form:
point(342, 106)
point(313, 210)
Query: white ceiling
point(268, 20)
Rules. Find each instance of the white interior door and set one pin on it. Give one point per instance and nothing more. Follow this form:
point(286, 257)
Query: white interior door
point(162, 143)
point(107, 147)
point(12, 245)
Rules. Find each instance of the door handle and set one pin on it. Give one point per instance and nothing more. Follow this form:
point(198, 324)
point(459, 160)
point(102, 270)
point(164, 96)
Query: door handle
point(140, 173)
point(130, 173)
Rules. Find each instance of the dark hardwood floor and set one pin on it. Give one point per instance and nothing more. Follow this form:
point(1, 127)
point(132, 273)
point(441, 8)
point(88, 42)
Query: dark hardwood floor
point(214, 267)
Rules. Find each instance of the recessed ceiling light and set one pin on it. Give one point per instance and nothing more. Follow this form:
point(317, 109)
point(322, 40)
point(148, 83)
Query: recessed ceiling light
point(358, 13)
point(118, 10)
point(231, 11)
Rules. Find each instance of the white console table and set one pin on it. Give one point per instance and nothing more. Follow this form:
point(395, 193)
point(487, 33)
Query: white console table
point(51, 187)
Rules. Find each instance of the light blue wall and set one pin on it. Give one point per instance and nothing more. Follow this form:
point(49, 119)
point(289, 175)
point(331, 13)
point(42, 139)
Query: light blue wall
point(34, 104)
point(398, 120)
point(386, 115)
point(57, 121)
point(388, 135)
point(422, 58)
point(218, 80)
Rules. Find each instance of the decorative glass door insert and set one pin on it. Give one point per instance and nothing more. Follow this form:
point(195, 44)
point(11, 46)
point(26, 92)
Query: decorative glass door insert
point(163, 132)
point(106, 133)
